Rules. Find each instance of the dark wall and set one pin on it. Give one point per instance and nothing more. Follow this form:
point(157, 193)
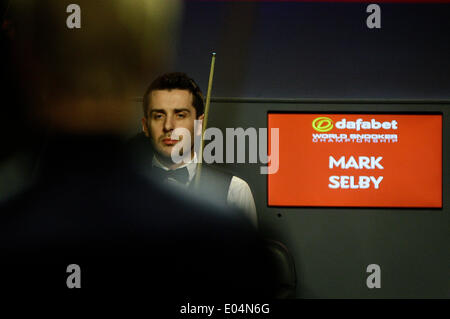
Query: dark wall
point(317, 50)
point(325, 50)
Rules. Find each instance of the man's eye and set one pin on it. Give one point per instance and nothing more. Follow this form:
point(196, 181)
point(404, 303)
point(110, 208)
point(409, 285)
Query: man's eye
point(181, 115)
point(157, 116)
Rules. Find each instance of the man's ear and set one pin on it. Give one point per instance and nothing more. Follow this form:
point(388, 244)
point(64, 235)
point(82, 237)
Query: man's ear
point(199, 127)
point(145, 127)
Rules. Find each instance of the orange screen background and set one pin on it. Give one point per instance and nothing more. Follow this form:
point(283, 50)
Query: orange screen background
point(412, 174)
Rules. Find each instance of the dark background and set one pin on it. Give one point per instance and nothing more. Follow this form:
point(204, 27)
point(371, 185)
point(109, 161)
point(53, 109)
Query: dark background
point(293, 50)
point(317, 50)
point(311, 56)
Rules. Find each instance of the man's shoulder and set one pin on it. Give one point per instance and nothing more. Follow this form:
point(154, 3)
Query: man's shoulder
point(216, 169)
point(233, 181)
point(215, 173)
point(214, 183)
point(239, 182)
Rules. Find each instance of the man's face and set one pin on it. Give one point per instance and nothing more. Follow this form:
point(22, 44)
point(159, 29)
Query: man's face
point(169, 110)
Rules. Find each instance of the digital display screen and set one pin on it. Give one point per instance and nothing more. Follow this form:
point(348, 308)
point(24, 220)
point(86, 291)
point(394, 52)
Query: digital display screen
point(357, 160)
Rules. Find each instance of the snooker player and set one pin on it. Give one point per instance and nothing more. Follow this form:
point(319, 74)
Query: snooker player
point(173, 101)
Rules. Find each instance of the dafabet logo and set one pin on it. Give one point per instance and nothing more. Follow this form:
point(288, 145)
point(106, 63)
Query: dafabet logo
point(322, 124)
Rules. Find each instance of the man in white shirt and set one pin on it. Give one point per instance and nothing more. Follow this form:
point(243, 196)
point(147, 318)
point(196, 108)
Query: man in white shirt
point(173, 101)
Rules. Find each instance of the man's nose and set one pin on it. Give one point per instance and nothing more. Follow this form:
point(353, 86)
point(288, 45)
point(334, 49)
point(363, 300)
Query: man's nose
point(169, 124)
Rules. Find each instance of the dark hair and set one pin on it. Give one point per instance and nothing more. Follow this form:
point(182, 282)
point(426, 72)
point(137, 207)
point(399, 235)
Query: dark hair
point(176, 80)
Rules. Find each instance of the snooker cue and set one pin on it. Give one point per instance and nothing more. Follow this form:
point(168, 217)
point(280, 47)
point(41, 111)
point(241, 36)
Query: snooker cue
point(205, 121)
